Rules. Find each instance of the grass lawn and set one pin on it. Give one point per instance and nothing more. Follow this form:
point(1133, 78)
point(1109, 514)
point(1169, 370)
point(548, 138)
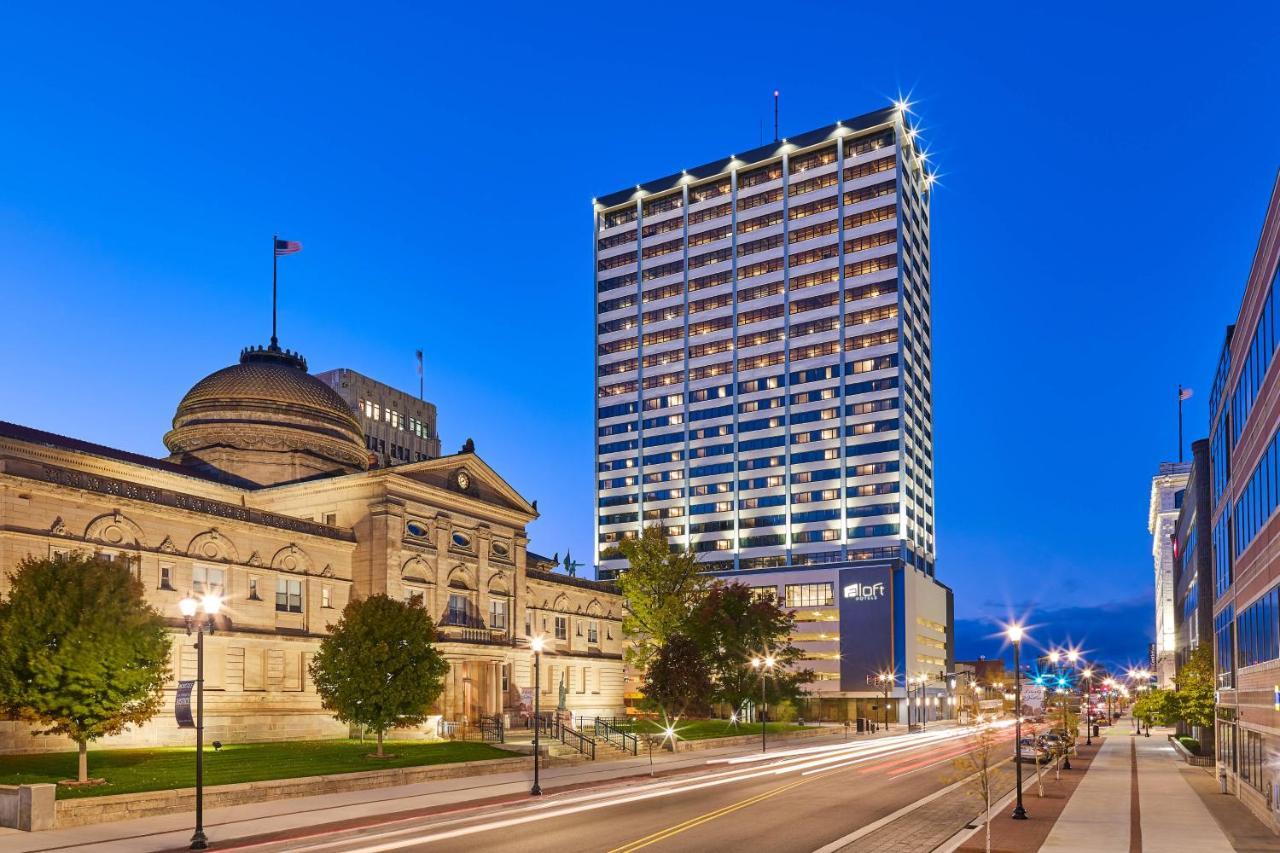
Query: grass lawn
point(703, 729)
point(130, 770)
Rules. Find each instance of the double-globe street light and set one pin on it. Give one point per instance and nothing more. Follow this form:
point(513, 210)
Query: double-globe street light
point(1014, 633)
point(765, 665)
point(208, 606)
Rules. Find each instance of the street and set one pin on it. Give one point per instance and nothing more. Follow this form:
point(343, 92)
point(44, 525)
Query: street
point(793, 799)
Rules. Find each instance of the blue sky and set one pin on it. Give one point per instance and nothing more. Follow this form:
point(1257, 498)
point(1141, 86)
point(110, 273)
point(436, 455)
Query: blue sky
point(1104, 178)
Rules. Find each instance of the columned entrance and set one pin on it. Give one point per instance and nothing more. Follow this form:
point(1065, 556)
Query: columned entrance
point(472, 689)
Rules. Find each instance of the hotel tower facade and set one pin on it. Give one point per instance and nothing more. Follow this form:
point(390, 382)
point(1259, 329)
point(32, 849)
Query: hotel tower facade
point(763, 363)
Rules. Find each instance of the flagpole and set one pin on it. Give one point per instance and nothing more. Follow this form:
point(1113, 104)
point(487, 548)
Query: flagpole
point(1179, 423)
point(275, 263)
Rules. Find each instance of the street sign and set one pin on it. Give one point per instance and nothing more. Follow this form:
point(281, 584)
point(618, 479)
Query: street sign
point(182, 705)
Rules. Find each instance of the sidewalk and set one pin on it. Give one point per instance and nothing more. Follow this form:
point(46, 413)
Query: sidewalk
point(1136, 798)
point(169, 832)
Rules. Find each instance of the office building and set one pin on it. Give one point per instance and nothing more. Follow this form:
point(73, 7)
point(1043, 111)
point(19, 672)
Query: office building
point(763, 378)
point(1167, 490)
point(1244, 461)
point(397, 427)
point(763, 367)
point(1193, 570)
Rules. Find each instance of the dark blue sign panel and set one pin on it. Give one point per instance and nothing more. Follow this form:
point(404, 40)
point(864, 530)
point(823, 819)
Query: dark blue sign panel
point(182, 705)
point(865, 596)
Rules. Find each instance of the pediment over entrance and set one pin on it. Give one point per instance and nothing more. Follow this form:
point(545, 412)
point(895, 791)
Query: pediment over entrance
point(466, 475)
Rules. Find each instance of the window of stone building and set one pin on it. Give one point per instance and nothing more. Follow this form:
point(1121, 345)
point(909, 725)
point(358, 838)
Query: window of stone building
point(253, 588)
point(410, 594)
point(325, 593)
point(457, 611)
point(506, 677)
point(288, 595)
point(562, 628)
point(498, 614)
point(608, 632)
point(528, 625)
point(331, 519)
point(593, 631)
point(578, 628)
point(166, 576)
point(208, 579)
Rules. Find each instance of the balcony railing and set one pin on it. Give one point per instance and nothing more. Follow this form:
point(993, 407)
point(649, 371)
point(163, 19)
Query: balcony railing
point(472, 634)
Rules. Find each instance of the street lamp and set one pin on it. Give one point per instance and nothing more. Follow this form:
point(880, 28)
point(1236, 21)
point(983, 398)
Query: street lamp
point(764, 664)
point(886, 679)
point(1014, 633)
point(210, 605)
point(536, 644)
point(1087, 675)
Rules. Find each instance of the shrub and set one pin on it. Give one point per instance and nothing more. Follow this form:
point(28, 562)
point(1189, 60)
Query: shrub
point(1192, 745)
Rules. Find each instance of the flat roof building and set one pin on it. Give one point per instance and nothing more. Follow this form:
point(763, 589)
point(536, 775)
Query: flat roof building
point(764, 389)
point(398, 427)
point(763, 356)
point(1244, 462)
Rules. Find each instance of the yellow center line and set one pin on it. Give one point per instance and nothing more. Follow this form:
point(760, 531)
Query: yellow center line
point(709, 816)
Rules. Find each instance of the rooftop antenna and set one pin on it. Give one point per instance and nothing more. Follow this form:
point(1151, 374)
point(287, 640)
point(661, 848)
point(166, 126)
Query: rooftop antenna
point(420, 374)
point(775, 115)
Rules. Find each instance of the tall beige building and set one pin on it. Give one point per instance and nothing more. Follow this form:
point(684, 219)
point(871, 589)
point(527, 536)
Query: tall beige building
point(267, 498)
point(1168, 488)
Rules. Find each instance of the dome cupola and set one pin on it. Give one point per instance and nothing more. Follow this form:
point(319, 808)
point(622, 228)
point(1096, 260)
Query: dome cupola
point(266, 421)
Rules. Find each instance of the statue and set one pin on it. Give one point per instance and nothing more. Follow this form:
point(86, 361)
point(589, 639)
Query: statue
point(570, 565)
point(468, 446)
point(564, 692)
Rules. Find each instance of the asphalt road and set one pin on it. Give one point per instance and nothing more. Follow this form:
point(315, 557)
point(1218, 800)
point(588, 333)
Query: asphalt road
point(796, 799)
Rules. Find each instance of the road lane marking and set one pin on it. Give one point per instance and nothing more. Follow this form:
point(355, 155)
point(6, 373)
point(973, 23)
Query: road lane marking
point(678, 828)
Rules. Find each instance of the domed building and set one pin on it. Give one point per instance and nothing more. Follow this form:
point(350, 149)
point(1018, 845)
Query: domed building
point(274, 497)
point(266, 421)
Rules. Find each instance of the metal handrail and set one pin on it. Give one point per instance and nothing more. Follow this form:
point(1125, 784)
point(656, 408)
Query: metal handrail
point(611, 731)
point(580, 742)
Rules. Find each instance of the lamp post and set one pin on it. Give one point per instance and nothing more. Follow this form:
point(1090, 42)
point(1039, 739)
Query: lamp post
point(209, 605)
point(763, 664)
point(886, 679)
point(536, 644)
point(1014, 633)
point(1087, 675)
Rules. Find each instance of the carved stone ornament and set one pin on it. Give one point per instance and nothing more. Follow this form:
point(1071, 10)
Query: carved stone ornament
point(59, 527)
point(167, 546)
point(255, 560)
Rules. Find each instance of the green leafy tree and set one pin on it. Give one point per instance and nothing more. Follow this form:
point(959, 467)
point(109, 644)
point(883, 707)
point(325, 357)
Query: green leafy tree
point(1156, 706)
point(81, 652)
point(678, 681)
point(659, 587)
point(1195, 693)
point(732, 627)
point(379, 667)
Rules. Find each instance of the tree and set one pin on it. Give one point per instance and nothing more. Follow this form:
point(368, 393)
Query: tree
point(659, 588)
point(379, 666)
point(1195, 693)
point(678, 680)
point(976, 766)
point(81, 652)
point(732, 626)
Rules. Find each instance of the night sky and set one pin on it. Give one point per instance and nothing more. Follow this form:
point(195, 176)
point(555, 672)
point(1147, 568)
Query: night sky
point(1104, 177)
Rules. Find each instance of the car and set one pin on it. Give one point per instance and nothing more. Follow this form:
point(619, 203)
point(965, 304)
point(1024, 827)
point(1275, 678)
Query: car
point(1030, 749)
point(1054, 742)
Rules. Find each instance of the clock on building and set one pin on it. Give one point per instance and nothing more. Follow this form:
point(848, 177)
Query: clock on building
point(462, 480)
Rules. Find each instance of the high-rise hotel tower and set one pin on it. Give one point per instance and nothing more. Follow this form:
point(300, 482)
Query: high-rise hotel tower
point(763, 359)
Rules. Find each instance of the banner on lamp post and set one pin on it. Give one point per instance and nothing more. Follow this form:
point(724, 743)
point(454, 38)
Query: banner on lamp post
point(182, 705)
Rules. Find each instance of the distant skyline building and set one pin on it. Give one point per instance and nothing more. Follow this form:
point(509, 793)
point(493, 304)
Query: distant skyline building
point(764, 392)
point(398, 427)
point(1244, 458)
point(763, 356)
point(1168, 488)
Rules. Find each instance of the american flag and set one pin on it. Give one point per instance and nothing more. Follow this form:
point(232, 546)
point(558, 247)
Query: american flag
point(287, 247)
point(1184, 393)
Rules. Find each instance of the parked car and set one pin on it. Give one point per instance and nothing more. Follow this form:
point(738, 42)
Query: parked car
point(1053, 742)
point(1030, 749)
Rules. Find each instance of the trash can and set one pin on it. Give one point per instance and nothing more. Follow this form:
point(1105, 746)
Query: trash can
point(1095, 729)
point(862, 725)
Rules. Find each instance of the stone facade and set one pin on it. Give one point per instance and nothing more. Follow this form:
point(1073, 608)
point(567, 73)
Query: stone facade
point(1167, 491)
point(288, 557)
